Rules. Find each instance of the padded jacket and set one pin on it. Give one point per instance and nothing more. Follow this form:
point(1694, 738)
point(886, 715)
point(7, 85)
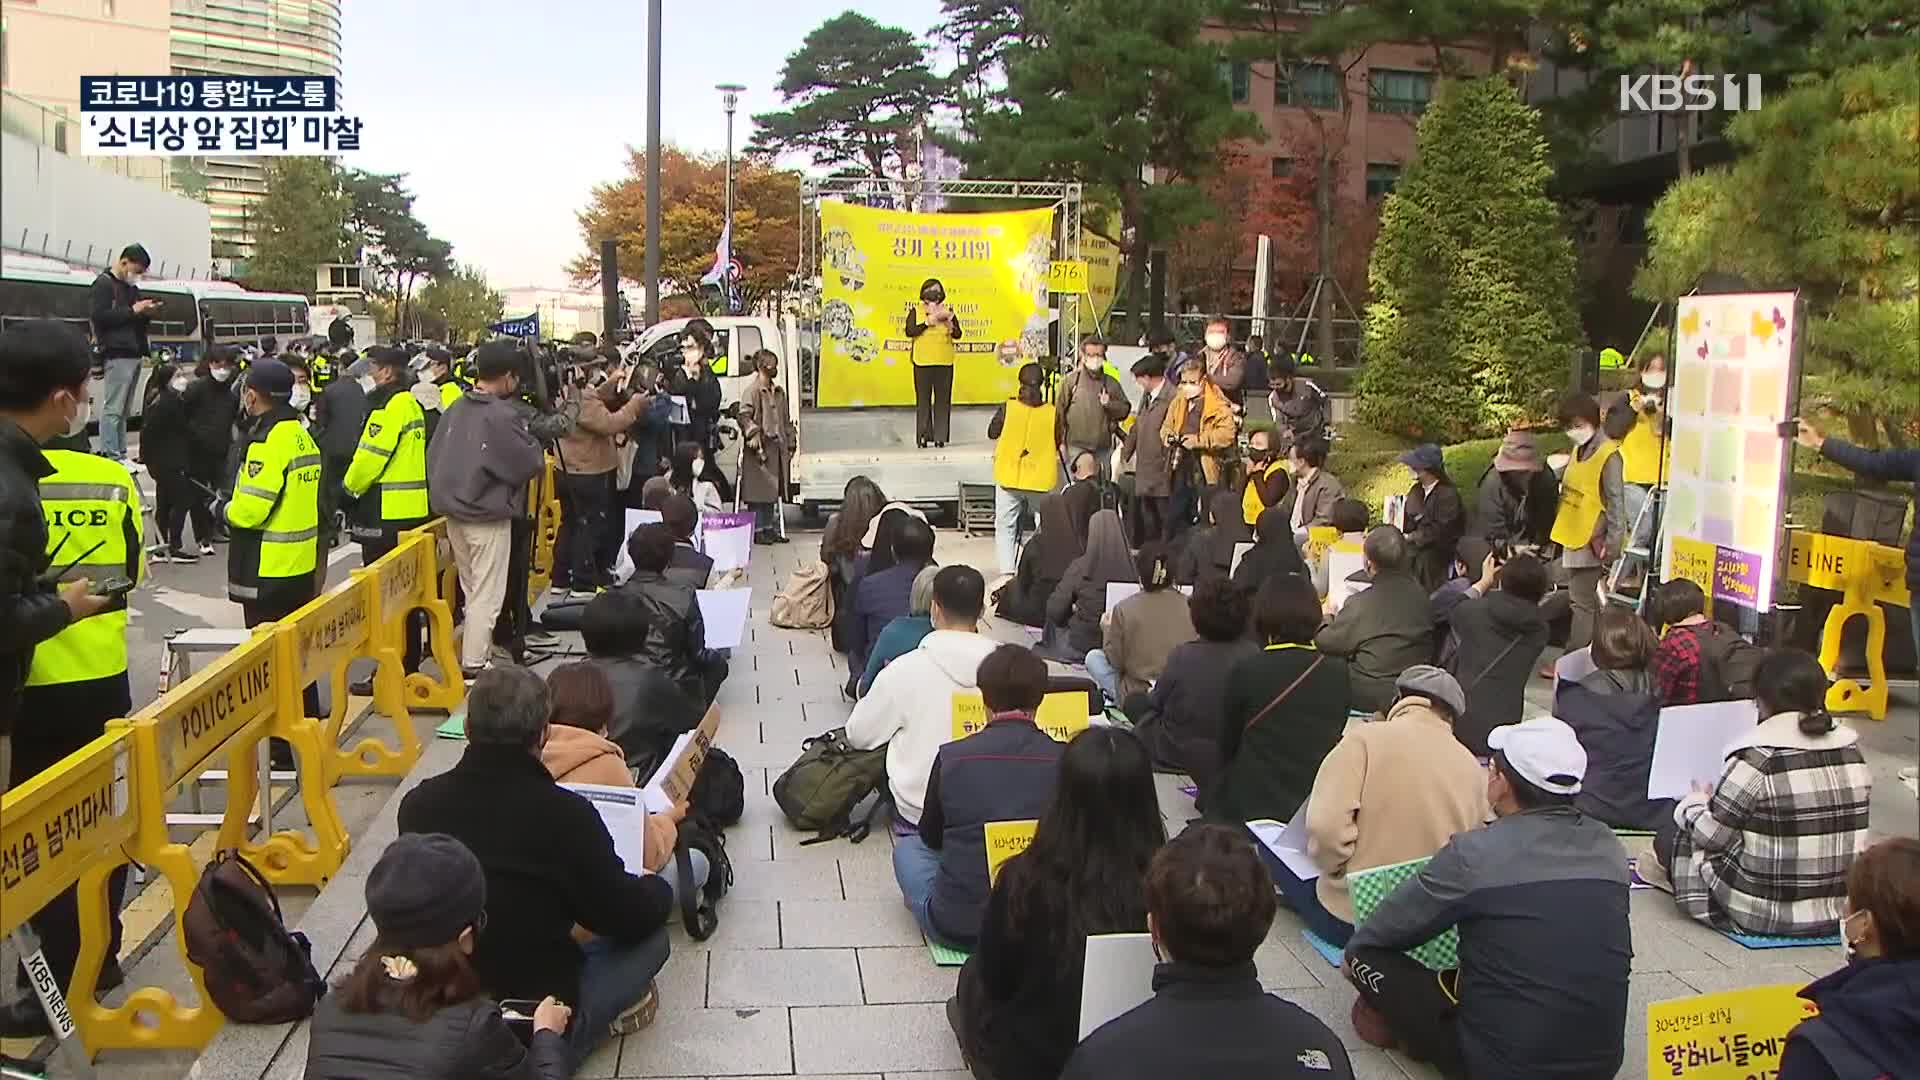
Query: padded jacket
point(650, 711)
point(676, 632)
point(468, 1041)
point(30, 612)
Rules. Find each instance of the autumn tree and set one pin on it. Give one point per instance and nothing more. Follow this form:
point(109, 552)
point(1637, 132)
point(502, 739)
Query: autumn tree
point(854, 90)
point(458, 305)
point(766, 222)
point(1245, 200)
point(298, 225)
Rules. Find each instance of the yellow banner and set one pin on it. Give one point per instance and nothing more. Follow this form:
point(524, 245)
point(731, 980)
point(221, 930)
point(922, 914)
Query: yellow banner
point(1005, 839)
point(994, 267)
point(1062, 714)
point(1734, 1035)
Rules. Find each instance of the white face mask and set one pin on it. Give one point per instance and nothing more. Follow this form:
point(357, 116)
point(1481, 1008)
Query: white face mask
point(301, 395)
point(366, 383)
point(1216, 341)
point(1093, 363)
point(1189, 389)
point(220, 374)
point(699, 466)
point(1654, 380)
point(82, 407)
point(179, 384)
point(1581, 435)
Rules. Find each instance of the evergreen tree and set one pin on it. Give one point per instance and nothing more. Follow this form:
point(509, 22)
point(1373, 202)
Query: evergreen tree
point(1472, 323)
point(299, 224)
point(855, 89)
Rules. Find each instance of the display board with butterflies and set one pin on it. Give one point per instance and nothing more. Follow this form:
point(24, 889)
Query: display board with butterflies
point(1736, 381)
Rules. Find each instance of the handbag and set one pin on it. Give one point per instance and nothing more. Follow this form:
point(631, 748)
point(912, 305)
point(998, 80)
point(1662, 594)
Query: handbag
point(1284, 694)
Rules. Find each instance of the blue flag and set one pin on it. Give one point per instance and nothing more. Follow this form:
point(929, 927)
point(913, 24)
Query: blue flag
point(526, 326)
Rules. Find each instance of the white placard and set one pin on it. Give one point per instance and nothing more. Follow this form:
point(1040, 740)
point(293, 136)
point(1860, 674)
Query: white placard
point(727, 539)
point(677, 412)
point(1288, 843)
point(1239, 552)
point(1690, 745)
point(623, 562)
point(725, 613)
point(624, 811)
point(1119, 976)
point(1120, 590)
point(1573, 667)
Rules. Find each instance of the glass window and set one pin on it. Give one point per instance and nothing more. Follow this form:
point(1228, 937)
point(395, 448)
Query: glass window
point(1391, 91)
point(1381, 179)
point(1239, 79)
point(749, 344)
point(1282, 168)
point(1313, 85)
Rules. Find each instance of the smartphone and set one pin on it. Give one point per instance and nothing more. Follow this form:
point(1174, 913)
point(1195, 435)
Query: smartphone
point(518, 1011)
point(117, 585)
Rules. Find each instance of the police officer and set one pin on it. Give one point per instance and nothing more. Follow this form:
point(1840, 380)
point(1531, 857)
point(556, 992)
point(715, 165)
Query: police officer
point(78, 682)
point(388, 474)
point(273, 509)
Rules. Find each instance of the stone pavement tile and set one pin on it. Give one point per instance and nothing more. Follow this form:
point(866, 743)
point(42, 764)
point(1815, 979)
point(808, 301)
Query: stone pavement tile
point(827, 714)
point(744, 924)
point(683, 982)
point(820, 691)
point(604, 1062)
point(1735, 955)
point(869, 876)
point(790, 844)
point(943, 1074)
point(1176, 806)
point(896, 976)
point(786, 881)
point(749, 844)
point(1714, 980)
point(843, 924)
point(790, 730)
point(711, 1042)
point(1642, 991)
point(774, 756)
point(1661, 949)
point(880, 1038)
point(1372, 1064)
point(823, 1076)
point(1287, 962)
point(783, 977)
point(1415, 1070)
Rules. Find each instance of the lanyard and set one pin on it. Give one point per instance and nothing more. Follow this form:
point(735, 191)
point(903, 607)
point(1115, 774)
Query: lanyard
point(1290, 645)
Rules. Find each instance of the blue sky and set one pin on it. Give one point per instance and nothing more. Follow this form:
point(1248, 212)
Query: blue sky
point(505, 114)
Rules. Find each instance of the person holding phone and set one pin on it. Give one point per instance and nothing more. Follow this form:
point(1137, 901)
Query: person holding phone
point(932, 362)
point(120, 316)
point(413, 1005)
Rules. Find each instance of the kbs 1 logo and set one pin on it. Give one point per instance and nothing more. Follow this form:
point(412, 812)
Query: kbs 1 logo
point(1689, 93)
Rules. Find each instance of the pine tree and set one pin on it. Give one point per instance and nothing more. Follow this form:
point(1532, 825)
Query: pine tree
point(300, 224)
point(1472, 322)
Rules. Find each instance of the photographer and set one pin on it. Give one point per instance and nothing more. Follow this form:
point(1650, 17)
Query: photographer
point(1643, 447)
point(589, 461)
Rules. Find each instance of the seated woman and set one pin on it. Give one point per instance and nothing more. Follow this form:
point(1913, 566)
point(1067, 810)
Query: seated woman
point(676, 631)
point(1141, 631)
point(840, 544)
point(577, 750)
point(1273, 553)
point(1391, 790)
point(1768, 849)
point(1616, 712)
point(1179, 719)
point(1017, 1009)
point(903, 634)
point(650, 710)
point(1284, 709)
point(1061, 538)
point(1080, 600)
point(686, 475)
point(1869, 1018)
point(1207, 554)
point(413, 1005)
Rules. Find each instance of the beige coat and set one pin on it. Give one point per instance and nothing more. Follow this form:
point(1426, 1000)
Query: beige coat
point(588, 449)
point(1410, 782)
point(1142, 630)
point(769, 442)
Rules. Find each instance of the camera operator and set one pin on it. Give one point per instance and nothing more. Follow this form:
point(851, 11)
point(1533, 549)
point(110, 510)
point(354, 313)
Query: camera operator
point(647, 445)
point(588, 460)
point(694, 383)
point(478, 466)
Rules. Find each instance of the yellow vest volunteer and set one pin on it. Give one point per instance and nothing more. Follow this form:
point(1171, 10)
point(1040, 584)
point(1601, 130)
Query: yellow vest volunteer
point(1023, 458)
point(1641, 450)
point(1580, 503)
point(89, 500)
point(392, 457)
point(934, 346)
point(1251, 504)
point(275, 512)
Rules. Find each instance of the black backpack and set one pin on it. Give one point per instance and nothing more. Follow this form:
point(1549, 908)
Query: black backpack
point(1728, 663)
point(719, 794)
point(255, 969)
point(699, 911)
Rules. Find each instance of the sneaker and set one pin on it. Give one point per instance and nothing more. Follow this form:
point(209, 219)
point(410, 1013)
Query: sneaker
point(580, 594)
point(560, 590)
point(158, 553)
point(639, 1015)
point(206, 548)
point(182, 555)
point(541, 641)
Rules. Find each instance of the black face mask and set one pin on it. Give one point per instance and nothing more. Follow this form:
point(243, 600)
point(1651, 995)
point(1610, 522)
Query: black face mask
point(933, 296)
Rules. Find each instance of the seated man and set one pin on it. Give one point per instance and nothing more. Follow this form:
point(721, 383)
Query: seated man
point(909, 707)
point(884, 596)
point(676, 632)
point(1209, 906)
point(551, 871)
point(689, 566)
point(1384, 629)
point(1003, 772)
point(1540, 899)
point(650, 710)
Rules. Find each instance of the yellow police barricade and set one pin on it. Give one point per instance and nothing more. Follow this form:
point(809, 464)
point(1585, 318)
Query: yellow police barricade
point(413, 576)
point(1865, 574)
point(328, 635)
point(543, 498)
point(67, 827)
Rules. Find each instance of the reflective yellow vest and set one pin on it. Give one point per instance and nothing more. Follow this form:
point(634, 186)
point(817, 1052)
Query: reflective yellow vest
point(1580, 501)
point(275, 512)
point(934, 347)
point(392, 456)
point(450, 392)
point(1023, 459)
point(1640, 451)
point(89, 500)
point(1251, 506)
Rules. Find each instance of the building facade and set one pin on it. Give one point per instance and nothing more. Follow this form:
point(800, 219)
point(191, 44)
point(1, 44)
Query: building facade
point(249, 37)
point(46, 45)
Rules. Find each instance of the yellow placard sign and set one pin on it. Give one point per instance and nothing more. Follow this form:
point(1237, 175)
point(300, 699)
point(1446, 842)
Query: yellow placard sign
point(1005, 839)
point(1320, 540)
point(1841, 563)
point(1067, 276)
point(194, 720)
point(1735, 1035)
point(994, 267)
point(1062, 715)
point(332, 630)
point(1103, 260)
point(1693, 560)
point(55, 823)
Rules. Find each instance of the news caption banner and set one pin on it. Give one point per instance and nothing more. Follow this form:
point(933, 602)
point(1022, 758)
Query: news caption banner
point(235, 116)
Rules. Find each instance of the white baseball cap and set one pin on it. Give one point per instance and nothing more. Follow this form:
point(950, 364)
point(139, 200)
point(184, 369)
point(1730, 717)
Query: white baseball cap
point(1544, 751)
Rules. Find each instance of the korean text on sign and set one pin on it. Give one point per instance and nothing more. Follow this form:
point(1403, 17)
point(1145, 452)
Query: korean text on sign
point(1736, 1035)
point(1062, 714)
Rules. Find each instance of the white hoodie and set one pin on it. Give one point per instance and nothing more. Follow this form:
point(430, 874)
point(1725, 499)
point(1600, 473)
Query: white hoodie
point(909, 710)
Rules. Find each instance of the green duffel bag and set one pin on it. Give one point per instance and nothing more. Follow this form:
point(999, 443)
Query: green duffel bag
point(820, 791)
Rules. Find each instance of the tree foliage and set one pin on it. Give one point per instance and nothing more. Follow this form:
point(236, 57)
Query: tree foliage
point(766, 222)
point(298, 225)
point(854, 90)
point(1824, 198)
point(1246, 200)
point(1472, 321)
point(391, 240)
point(458, 305)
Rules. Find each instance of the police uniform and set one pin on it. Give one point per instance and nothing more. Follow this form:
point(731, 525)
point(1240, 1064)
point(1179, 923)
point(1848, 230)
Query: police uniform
point(275, 518)
point(388, 474)
point(78, 680)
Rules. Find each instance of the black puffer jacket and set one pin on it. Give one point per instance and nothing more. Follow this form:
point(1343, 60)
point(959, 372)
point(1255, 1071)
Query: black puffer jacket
point(30, 612)
point(676, 632)
point(649, 711)
point(211, 408)
point(117, 329)
point(468, 1041)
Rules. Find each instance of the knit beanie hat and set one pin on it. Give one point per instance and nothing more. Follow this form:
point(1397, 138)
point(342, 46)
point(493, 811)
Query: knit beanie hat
point(426, 888)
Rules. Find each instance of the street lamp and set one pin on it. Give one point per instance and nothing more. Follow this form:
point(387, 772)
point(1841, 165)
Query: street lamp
point(729, 100)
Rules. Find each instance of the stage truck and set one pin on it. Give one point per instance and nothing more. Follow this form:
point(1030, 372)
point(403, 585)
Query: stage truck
point(1013, 276)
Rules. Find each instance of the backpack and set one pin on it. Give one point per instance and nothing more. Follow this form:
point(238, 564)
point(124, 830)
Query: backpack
point(699, 909)
point(719, 792)
point(805, 602)
point(1727, 664)
point(256, 970)
point(818, 792)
